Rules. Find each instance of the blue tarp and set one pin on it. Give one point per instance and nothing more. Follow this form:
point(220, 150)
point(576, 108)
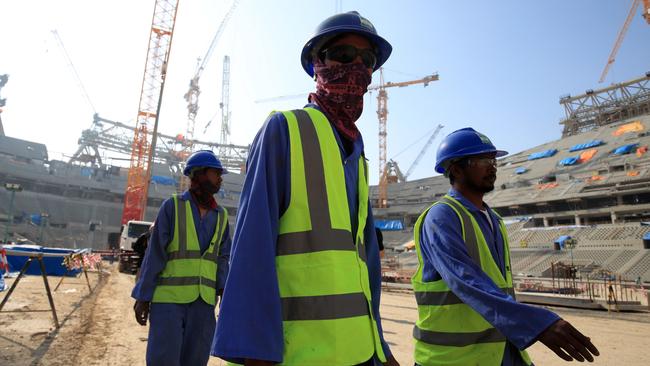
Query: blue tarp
point(561, 240)
point(542, 154)
point(53, 265)
point(36, 219)
point(586, 145)
point(86, 172)
point(165, 181)
point(521, 170)
point(569, 161)
point(626, 149)
point(389, 225)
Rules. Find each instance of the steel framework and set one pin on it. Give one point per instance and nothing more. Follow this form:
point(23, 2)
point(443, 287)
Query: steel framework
point(142, 149)
point(111, 136)
point(600, 107)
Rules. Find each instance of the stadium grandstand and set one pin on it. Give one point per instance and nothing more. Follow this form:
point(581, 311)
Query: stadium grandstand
point(591, 185)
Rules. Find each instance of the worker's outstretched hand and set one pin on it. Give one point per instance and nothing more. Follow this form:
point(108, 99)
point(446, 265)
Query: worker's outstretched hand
point(567, 342)
point(391, 361)
point(141, 309)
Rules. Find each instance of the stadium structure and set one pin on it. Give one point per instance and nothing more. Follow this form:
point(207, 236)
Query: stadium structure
point(591, 185)
point(77, 200)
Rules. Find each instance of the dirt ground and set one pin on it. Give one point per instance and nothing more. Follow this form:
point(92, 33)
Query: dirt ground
point(98, 328)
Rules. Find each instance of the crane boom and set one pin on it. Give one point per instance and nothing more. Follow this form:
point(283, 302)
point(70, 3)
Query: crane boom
point(80, 84)
point(153, 82)
point(621, 35)
point(423, 151)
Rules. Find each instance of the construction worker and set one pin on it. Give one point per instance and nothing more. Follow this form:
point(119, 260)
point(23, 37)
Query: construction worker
point(304, 283)
point(463, 284)
point(185, 268)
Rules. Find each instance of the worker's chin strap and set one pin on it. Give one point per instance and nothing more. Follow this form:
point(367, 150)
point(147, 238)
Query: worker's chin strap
point(339, 93)
point(203, 191)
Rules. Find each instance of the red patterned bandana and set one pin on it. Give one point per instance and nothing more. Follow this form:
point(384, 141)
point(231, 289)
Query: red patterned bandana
point(339, 93)
point(202, 191)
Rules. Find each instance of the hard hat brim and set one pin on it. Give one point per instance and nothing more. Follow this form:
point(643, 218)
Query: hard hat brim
point(440, 166)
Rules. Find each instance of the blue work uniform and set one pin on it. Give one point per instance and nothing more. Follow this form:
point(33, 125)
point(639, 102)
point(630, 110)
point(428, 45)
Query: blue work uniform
point(179, 334)
point(250, 318)
point(445, 256)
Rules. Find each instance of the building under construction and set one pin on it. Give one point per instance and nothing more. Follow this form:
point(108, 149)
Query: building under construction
point(592, 184)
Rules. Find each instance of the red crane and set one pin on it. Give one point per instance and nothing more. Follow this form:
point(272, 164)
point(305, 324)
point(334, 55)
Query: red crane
point(153, 82)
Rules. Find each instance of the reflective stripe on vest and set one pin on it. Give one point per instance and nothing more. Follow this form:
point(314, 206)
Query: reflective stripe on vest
point(449, 332)
point(189, 274)
point(322, 275)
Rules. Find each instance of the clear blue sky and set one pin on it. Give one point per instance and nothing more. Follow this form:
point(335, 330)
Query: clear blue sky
point(502, 65)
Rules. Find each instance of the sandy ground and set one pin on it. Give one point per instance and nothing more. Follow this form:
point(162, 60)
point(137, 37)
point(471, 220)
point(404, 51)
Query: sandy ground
point(98, 328)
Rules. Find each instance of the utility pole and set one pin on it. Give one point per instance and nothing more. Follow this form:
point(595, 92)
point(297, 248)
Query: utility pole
point(12, 188)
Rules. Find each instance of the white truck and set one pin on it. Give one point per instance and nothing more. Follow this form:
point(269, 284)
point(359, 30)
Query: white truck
point(131, 232)
point(130, 259)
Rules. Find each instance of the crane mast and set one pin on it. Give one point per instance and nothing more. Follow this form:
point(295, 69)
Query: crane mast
point(160, 41)
point(225, 106)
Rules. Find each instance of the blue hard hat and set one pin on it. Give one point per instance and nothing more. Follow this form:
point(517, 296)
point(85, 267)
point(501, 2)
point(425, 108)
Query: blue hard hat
point(461, 143)
point(203, 159)
point(350, 22)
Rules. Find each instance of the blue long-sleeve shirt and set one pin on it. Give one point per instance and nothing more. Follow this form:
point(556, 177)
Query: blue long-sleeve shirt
point(445, 256)
point(250, 317)
point(155, 258)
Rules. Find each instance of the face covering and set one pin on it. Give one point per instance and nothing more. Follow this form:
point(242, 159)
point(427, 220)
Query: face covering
point(339, 93)
point(203, 190)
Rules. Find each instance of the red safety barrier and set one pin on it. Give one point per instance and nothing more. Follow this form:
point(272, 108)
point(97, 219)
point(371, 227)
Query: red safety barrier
point(4, 263)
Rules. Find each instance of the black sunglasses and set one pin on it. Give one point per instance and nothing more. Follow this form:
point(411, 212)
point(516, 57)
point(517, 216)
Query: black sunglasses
point(345, 54)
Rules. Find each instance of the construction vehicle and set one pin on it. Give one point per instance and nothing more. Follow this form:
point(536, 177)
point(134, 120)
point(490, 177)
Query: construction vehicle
point(130, 259)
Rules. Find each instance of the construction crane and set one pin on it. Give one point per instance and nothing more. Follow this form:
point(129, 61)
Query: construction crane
point(153, 83)
point(394, 174)
point(225, 106)
point(382, 114)
point(623, 31)
point(192, 95)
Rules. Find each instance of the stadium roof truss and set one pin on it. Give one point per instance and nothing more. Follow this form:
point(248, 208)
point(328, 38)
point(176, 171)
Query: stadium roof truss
point(601, 107)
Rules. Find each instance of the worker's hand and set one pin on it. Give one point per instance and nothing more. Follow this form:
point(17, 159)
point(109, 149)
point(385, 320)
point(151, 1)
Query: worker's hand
point(391, 361)
point(567, 342)
point(249, 362)
point(141, 309)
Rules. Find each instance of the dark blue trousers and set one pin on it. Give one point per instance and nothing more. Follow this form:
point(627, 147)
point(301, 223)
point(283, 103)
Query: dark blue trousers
point(180, 334)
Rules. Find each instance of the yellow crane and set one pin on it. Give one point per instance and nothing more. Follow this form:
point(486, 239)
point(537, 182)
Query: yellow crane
point(382, 114)
point(623, 31)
